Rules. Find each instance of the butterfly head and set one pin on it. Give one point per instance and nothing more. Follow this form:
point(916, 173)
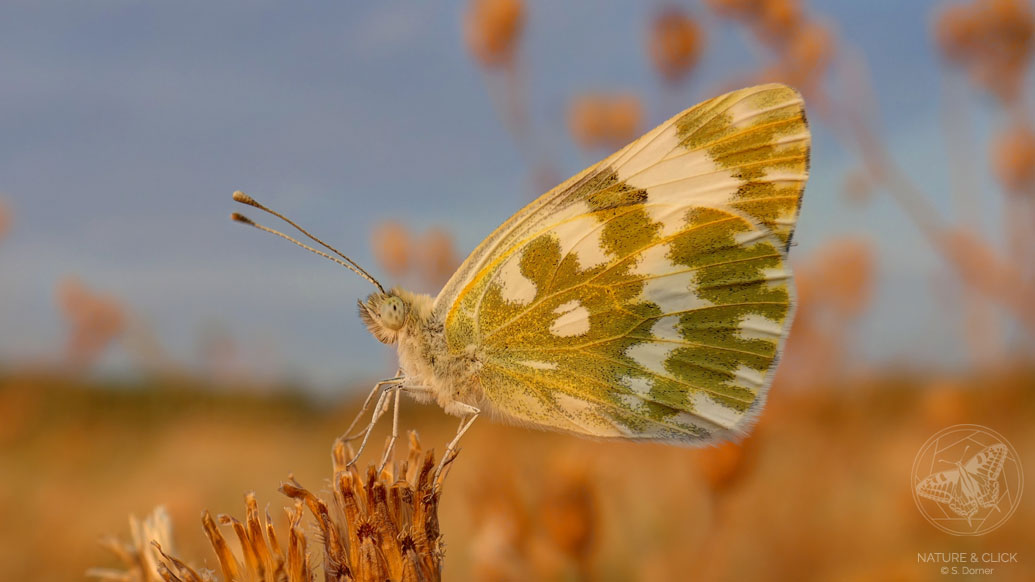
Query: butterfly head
point(385, 314)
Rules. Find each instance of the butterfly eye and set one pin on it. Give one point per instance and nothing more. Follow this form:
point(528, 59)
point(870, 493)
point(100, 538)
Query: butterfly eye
point(393, 313)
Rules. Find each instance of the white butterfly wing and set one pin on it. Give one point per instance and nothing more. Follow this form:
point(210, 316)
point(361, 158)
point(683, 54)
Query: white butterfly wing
point(648, 296)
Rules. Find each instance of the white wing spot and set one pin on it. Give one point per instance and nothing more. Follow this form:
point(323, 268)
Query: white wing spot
point(572, 320)
point(674, 293)
point(667, 328)
point(651, 356)
point(755, 326)
point(653, 261)
point(514, 286)
point(777, 277)
point(749, 378)
point(749, 236)
point(581, 237)
point(713, 411)
point(671, 218)
point(636, 384)
point(630, 401)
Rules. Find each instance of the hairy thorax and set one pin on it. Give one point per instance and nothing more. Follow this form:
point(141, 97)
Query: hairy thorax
point(431, 370)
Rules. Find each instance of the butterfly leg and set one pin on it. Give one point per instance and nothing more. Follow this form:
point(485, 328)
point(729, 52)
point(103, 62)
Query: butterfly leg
point(347, 435)
point(379, 410)
point(470, 414)
point(422, 391)
point(395, 432)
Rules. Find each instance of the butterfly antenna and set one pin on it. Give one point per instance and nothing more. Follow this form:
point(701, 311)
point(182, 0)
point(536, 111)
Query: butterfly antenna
point(246, 199)
point(352, 267)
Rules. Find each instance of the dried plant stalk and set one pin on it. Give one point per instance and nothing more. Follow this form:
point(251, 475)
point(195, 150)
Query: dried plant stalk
point(380, 526)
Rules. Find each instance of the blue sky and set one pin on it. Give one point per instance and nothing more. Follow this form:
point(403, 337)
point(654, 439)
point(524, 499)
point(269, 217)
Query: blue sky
point(127, 124)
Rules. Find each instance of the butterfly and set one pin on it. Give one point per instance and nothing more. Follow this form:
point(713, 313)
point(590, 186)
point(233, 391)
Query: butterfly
point(970, 486)
point(646, 298)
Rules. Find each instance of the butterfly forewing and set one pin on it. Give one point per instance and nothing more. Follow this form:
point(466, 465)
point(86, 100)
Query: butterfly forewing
point(942, 487)
point(649, 296)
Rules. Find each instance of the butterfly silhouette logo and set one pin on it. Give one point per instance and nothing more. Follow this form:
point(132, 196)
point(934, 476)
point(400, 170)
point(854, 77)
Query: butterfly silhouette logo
point(970, 486)
point(979, 491)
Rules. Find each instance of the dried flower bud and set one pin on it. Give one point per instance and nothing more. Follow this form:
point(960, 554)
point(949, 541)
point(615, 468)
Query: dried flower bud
point(735, 9)
point(720, 464)
point(439, 260)
point(626, 119)
point(845, 268)
point(810, 51)
point(778, 20)
point(992, 40)
point(492, 29)
point(94, 321)
point(609, 121)
point(5, 219)
point(1013, 158)
point(955, 31)
point(856, 186)
point(675, 44)
point(569, 513)
point(379, 526)
point(391, 243)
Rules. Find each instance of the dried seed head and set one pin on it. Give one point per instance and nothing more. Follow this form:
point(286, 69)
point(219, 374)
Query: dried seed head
point(378, 528)
point(94, 321)
point(605, 120)
point(439, 260)
point(492, 29)
point(1013, 159)
point(5, 219)
point(992, 40)
point(675, 44)
point(392, 247)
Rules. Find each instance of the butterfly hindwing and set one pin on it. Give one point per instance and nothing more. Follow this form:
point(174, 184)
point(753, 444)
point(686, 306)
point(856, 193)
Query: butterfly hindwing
point(647, 297)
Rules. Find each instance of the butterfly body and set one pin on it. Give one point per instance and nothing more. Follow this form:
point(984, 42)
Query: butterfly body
point(430, 371)
point(646, 298)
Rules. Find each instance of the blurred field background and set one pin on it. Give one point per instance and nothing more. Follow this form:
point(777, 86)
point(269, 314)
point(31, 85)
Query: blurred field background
point(153, 353)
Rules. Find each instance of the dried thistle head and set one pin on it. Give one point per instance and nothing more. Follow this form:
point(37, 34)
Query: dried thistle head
point(392, 247)
point(94, 321)
point(5, 219)
point(778, 19)
point(605, 120)
point(439, 260)
point(569, 513)
point(735, 9)
point(1013, 158)
point(550, 535)
point(378, 527)
point(139, 555)
point(492, 29)
point(992, 40)
point(675, 43)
